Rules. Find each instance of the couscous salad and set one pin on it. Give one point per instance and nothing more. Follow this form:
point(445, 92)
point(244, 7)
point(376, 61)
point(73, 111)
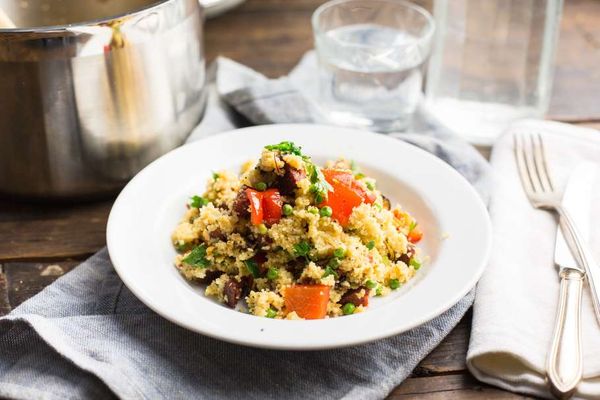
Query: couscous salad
point(294, 240)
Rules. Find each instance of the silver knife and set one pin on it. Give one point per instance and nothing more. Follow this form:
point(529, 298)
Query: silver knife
point(564, 365)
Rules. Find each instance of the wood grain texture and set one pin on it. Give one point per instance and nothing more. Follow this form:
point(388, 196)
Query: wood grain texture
point(453, 386)
point(38, 231)
point(5, 306)
point(28, 279)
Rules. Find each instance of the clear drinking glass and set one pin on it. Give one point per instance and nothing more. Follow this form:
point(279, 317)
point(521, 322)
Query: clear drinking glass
point(371, 58)
point(492, 63)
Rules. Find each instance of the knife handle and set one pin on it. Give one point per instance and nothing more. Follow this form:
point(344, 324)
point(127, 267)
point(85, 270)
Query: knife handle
point(580, 250)
point(565, 366)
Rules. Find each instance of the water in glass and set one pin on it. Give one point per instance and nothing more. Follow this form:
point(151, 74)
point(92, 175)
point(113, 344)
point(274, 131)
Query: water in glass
point(371, 60)
point(377, 84)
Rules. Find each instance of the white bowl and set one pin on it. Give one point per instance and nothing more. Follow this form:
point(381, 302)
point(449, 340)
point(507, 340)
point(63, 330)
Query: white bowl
point(456, 225)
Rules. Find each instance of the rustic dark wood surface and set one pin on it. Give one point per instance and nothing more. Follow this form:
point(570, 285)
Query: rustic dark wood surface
point(39, 242)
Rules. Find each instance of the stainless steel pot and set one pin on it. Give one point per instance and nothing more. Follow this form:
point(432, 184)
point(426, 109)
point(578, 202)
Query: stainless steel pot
point(86, 105)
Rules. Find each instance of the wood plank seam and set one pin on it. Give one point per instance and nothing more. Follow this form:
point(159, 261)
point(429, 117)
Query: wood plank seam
point(81, 257)
point(423, 372)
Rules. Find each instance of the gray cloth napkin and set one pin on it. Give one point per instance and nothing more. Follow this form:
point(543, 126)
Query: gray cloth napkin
point(87, 336)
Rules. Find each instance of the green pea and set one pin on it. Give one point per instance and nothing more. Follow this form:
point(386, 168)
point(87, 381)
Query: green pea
point(370, 185)
point(348, 308)
point(313, 210)
point(287, 210)
point(262, 229)
point(326, 211)
point(260, 186)
point(371, 284)
point(370, 245)
point(415, 263)
point(340, 252)
point(379, 291)
point(271, 313)
point(394, 284)
point(272, 273)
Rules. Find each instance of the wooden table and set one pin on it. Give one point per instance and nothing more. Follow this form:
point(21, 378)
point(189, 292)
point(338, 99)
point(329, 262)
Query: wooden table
point(38, 242)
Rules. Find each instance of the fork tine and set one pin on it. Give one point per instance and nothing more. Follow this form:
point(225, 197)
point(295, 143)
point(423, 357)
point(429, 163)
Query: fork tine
point(522, 165)
point(529, 156)
point(541, 164)
point(532, 164)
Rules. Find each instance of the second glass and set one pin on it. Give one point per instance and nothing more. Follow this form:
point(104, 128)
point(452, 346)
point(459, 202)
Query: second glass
point(371, 60)
point(492, 63)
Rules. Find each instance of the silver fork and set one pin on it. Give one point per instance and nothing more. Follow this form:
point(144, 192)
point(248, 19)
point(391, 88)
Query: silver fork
point(536, 181)
point(535, 178)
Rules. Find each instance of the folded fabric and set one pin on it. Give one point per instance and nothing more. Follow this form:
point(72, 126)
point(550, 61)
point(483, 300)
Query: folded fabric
point(87, 336)
point(517, 297)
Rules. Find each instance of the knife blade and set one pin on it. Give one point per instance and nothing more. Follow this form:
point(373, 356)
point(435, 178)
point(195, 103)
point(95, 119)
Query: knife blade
point(577, 199)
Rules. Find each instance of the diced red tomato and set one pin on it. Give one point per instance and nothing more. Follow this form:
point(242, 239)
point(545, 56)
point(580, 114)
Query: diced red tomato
point(342, 201)
point(264, 206)
point(347, 193)
point(272, 205)
point(344, 177)
point(308, 301)
point(415, 235)
point(256, 210)
point(347, 178)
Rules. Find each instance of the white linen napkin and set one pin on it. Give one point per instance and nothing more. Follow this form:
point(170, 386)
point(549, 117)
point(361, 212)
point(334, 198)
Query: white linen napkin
point(517, 297)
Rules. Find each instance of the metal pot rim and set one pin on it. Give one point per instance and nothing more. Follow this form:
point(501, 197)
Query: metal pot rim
point(66, 27)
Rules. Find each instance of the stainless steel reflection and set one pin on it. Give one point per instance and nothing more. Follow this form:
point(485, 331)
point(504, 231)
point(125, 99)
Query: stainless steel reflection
point(84, 106)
